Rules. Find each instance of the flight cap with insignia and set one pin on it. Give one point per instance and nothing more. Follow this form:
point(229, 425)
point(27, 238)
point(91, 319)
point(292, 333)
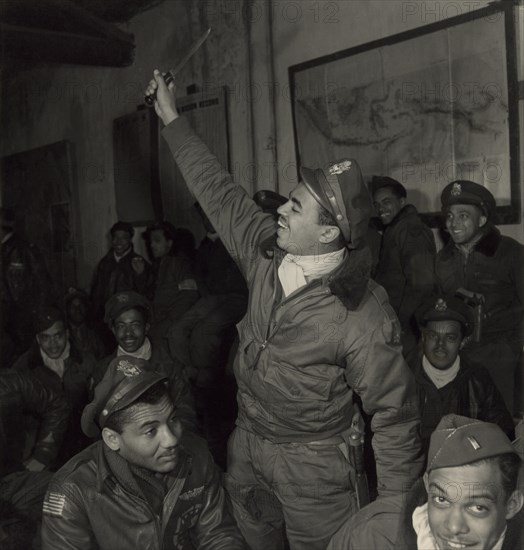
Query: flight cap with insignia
point(468, 192)
point(339, 187)
point(445, 308)
point(46, 317)
point(123, 301)
point(125, 380)
point(458, 440)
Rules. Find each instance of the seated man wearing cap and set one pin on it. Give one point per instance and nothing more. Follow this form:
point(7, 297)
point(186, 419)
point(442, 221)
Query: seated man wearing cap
point(120, 269)
point(317, 329)
point(145, 484)
point(128, 315)
point(62, 368)
point(446, 382)
point(469, 497)
point(406, 266)
point(480, 260)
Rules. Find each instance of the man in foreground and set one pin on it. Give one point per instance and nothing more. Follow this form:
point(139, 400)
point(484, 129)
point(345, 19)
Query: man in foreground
point(469, 497)
point(144, 485)
point(317, 329)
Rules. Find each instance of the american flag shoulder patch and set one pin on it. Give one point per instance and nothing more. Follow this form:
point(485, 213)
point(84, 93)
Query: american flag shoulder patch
point(54, 504)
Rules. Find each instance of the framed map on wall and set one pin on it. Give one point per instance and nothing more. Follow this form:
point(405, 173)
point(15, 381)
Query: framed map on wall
point(425, 107)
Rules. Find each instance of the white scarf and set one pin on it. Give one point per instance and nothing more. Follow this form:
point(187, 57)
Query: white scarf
point(118, 258)
point(441, 377)
point(425, 538)
point(56, 365)
point(296, 271)
point(143, 352)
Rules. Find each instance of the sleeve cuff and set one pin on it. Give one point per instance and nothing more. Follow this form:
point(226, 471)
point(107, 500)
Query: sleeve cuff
point(177, 132)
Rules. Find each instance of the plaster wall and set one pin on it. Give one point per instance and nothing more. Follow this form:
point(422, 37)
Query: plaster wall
point(53, 102)
point(252, 44)
point(312, 28)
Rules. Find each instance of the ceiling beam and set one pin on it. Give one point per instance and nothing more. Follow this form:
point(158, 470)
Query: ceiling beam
point(63, 47)
point(94, 23)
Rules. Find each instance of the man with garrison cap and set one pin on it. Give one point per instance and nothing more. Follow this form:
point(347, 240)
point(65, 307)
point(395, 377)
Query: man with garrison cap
point(469, 497)
point(145, 484)
point(479, 260)
point(317, 330)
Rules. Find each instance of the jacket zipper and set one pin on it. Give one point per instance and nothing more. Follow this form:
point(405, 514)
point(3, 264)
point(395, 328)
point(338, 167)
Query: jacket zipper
point(271, 332)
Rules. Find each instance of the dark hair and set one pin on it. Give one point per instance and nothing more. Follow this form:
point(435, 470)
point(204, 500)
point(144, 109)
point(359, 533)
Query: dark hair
point(152, 396)
point(144, 312)
point(122, 226)
point(325, 217)
point(509, 465)
point(381, 182)
point(183, 240)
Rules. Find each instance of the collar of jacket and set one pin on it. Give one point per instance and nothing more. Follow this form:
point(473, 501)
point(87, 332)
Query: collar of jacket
point(348, 282)
point(407, 211)
point(35, 359)
point(487, 245)
point(104, 473)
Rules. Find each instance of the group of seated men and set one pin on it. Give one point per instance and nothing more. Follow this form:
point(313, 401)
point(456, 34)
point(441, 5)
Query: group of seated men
point(319, 347)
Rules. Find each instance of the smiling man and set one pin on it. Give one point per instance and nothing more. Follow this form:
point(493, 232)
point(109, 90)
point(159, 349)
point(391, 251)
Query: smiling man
point(128, 314)
point(446, 382)
point(480, 260)
point(472, 496)
point(144, 484)
point(317, 330)
point(406, 266)
point(61, 368)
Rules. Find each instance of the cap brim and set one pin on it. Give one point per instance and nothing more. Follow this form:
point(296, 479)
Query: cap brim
point(92, 411)
point(310, 180)
point(448, 316)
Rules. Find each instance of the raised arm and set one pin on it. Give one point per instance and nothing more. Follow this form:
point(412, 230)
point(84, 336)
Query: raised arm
point(240, 223)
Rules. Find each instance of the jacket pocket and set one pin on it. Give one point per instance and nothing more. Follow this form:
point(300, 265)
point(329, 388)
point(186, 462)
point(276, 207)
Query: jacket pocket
point(299, 384)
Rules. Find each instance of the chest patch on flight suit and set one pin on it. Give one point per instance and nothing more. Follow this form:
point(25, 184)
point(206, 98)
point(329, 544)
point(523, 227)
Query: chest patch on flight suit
point(193, 493)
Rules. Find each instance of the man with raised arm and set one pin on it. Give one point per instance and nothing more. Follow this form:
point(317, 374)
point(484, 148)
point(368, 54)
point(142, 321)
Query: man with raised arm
point(317, 329)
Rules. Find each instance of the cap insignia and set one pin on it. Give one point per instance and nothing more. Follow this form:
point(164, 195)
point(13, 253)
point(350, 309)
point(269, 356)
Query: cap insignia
point(122, 298)
point(343, 166)
point(456, 189)
point(441, 305)
point(127, 368)
point(474, 443)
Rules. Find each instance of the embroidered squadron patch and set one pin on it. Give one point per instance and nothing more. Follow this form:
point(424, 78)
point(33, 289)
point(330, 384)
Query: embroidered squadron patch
point(127, 368)
point(456, 190)
point(343, 166)
point(122, 298)
point(193, 493)
point(54, 504)
point(441, 305)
